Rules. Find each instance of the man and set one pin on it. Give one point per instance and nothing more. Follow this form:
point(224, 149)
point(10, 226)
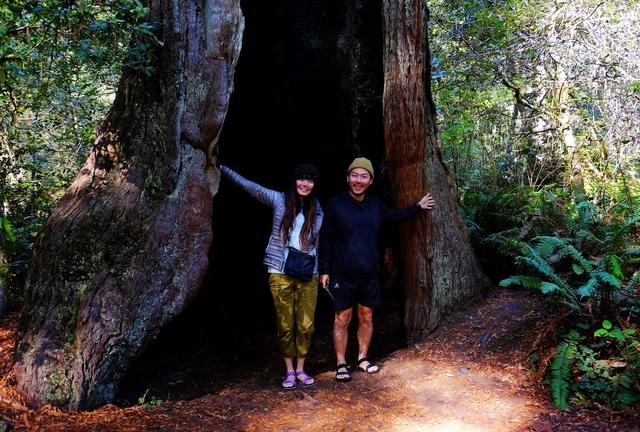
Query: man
point(349, 262)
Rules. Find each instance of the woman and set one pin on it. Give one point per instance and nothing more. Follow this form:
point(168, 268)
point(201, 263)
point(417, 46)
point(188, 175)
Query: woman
point(297, 217)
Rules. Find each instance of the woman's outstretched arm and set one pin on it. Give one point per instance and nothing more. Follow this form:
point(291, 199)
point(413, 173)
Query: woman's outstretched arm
point(264, 195)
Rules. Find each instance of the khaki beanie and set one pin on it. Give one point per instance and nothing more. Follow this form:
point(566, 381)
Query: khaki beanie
point(361, 162)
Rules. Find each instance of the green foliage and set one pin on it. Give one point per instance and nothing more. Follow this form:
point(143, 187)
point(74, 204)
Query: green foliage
point(154, 402)
point(592, 270)
point(537, 113)
point(59, 66)
point(610, 367)
point(561, 370)
point(7, 230)
point(7, 241)
point(605, 368)
point(524, 97)
point(562, 263)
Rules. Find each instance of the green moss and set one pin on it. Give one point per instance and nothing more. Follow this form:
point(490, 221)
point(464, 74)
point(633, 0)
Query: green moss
point(4, 269)
point(58, 387)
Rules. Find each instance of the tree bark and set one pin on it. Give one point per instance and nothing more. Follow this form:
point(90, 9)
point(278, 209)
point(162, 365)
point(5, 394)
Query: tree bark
point(4, 278)
point(438, 263)
point(127, 246)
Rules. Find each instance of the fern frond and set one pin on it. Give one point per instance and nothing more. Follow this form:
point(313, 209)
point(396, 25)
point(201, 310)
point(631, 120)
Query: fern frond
point(561, 372)
point(608, 278)
point(586, 212)
point(632, 251)
point(558, 256)
point(615, 266)
point(542, 267)
point(586, 235)
point(615, 234)
point(538, 264)
point(564, 249)
point(520, 280)
point(633, 282)
point(473, 226)
point(548, 287)
point(545, 246)
point(633, 219)
point(499, 237)
point(588, 289)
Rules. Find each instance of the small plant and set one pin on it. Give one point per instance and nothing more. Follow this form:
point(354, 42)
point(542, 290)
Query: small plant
point(621, 370)
point(154, 402)
point(605, 368)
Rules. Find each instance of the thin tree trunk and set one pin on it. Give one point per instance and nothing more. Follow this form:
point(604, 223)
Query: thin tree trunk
point(439, 267)
point(127, 246)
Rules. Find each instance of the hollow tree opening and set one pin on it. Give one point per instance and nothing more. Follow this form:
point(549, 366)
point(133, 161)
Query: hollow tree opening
point(307, 88)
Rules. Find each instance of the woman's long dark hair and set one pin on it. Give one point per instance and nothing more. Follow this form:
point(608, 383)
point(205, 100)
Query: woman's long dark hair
point(293, 204)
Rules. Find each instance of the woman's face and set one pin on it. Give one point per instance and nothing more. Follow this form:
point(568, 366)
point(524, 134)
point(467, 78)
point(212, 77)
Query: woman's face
point(304, 187)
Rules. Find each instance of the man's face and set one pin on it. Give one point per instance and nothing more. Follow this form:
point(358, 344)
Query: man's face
point(359, 181)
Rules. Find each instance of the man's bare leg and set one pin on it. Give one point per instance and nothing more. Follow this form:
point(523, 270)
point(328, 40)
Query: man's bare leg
point(365, 332)
point(340, 338)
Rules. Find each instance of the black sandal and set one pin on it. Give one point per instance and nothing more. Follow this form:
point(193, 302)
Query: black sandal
point(343, 376)
point(370, 369)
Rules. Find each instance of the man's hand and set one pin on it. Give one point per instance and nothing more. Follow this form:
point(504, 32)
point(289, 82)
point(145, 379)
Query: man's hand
point(427, 202)
point(324, 281)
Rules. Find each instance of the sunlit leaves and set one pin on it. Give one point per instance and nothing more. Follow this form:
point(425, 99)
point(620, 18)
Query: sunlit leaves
point(570, 74)
point(59, 64)
point(7, 229)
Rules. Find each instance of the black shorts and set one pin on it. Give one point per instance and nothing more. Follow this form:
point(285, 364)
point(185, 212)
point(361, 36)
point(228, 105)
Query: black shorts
point(347, 292)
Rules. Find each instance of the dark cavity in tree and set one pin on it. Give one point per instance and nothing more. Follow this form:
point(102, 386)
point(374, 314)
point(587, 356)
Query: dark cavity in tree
point(308, 88)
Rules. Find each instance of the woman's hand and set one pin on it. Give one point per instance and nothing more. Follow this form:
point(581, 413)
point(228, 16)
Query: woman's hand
point(324, 281)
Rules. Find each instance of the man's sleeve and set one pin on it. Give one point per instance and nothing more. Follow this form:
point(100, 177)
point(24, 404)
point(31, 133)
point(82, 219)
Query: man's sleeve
point(396, 216)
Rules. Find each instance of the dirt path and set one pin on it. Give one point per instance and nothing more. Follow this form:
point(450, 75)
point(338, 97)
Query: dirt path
point(473, 374)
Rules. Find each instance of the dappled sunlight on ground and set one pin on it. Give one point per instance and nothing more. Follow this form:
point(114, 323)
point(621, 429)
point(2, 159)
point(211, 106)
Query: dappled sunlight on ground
point(413, 392)
point(443, 426)
point(461, 393)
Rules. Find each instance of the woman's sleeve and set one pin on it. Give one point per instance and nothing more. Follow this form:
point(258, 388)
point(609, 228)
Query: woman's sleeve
point(261, 193)
point(326, 243)
point(317, 224)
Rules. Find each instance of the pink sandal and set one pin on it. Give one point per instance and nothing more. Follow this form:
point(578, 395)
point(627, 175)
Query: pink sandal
point(289, 382)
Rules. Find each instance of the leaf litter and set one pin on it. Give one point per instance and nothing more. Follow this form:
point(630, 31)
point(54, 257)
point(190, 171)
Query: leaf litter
point(473, 374)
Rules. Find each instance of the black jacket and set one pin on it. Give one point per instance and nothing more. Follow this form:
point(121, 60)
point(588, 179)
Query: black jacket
point(349, 235)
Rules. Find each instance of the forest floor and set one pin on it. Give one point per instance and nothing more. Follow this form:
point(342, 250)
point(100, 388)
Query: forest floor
point(473, 374)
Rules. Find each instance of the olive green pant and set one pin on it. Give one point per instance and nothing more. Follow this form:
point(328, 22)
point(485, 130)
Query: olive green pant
point(295, 304)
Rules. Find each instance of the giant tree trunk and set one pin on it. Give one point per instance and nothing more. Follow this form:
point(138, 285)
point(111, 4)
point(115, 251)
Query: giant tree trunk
point(439, 267)
point(127, 246)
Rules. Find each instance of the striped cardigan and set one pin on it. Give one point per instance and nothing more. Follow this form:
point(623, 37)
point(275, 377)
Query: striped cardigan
point(275, 252)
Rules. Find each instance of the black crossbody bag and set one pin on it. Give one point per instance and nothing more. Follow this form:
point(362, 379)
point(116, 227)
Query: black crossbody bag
point(299, 264)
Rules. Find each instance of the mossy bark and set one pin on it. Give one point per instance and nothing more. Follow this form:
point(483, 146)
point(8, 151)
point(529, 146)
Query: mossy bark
point(4, 280)
point(127, 246)
point(438, 264)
